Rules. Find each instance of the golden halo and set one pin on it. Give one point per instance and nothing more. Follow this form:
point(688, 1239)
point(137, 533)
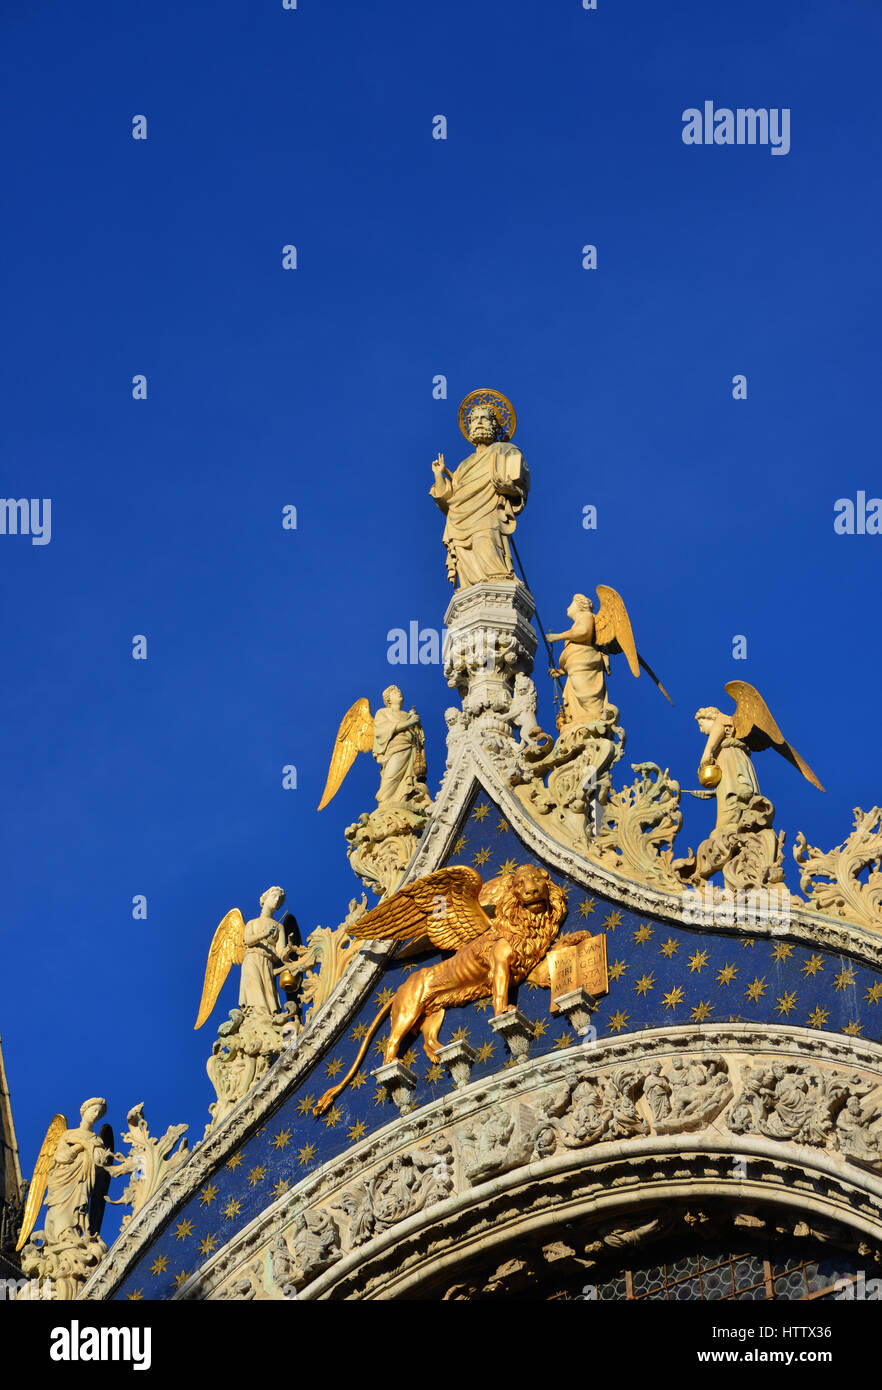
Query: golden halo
point(500, 405)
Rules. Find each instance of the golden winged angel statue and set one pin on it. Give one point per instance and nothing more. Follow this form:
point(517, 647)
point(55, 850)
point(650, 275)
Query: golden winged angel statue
point(261, 947)
point(452, 908)
point(726, 765)
point(397, 742)
point(588, 645)
point(743, 843)
point(72, 1172)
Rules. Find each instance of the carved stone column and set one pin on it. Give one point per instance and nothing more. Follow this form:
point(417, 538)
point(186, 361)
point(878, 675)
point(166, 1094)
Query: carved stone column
point(459, 1059)
point(399, 1081)
point(516, 1031)
point(489, 640)
point(576, 1006)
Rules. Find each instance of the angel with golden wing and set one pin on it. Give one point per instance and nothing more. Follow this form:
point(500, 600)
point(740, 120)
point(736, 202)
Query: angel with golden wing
point(72, 1173)
point(499, 933)
point(588, 645)
point(262, 947)
point(743, 843)
point(726, 767)
point(397, 742)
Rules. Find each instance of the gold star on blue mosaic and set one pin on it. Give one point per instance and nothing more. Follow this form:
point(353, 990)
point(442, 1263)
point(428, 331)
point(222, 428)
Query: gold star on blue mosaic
point(747, 943)
point(333, 1068)
point(159, 1265)
point(181, 1278)
point(435, 1072)
point(642, 934)
point(305, 1104)
point(281, 1187)
point(481, 812)
point(359, 1080)
point(813, 965)
point(507, 866)
point(333, 1117)
point(380, 1045)
point(781, 951)
point(845, 977)
point(502, 826)
point(485, 1051)
point(618, 1021)
point(874, 993)
point(702, 1012)
point(183, 1230)
point(410, 1057)
point(587, 906)
point(853, 1030)
point(481, 858)
point(612, 920)
point(673, 997)
point(233, 1163)
point(482, 1005)
point(644, 984)
point(669, 948)
point(384, 997)
point(786, 1003)
point(540, 1028)
point(819, 1017)
point(306, 1155)
point(382, 1096)
point(357, 1131)
point(207, 1245)
point(257, 1174)
point(727, 974)
point(281, 1140)
point(135, 1296)
point(460, 845)
point(461, 1035)
point(617, 969)
point(207, 1195)
point(232, 1209)
point(697, 961)
point(756, 989)
point(565, 1040)
point(358, 1032)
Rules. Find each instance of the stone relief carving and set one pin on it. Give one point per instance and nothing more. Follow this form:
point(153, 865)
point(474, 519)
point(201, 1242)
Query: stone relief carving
point(151, 1159)
point(832, 882)
point(795, 1102)
point(640, 823)
point(381, 845)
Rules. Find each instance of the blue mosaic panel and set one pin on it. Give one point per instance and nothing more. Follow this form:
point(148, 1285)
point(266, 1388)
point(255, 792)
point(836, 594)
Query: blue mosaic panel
point(660, 975)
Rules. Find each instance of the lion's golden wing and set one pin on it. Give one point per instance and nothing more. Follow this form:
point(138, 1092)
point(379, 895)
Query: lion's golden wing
point(754, 723)
point(37, 1189)
point(612, 626)
point(355, 735)
point(227, 948)
point(443, 906)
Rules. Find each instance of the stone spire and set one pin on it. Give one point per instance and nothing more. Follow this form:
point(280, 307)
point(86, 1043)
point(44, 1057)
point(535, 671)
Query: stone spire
point(10, 1176)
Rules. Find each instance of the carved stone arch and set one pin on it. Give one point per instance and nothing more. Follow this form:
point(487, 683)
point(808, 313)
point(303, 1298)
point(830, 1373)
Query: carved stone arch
point(549, 1230)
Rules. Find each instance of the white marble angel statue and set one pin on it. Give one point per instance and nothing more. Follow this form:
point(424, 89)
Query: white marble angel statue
point(397, 742)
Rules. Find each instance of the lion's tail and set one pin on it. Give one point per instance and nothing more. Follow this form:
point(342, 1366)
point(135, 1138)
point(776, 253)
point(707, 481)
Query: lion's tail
point(322, 1104)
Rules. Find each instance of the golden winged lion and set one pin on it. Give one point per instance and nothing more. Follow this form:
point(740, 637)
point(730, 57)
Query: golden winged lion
point(452, 908)
point(588, 645)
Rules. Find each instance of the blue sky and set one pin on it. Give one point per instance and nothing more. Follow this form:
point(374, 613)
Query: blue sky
point(313, 388)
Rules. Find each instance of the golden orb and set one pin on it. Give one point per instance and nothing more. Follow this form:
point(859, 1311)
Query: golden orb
point(286, 979)
point(709, 774)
